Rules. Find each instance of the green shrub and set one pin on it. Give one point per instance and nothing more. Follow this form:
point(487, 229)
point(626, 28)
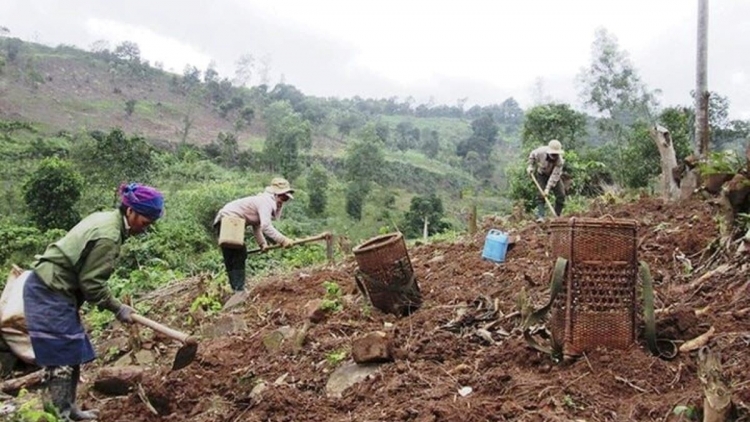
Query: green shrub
point(51, 194)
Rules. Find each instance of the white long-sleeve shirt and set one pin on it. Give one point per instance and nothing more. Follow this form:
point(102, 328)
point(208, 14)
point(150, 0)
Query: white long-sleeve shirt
point(258, 211)
point(538, 161)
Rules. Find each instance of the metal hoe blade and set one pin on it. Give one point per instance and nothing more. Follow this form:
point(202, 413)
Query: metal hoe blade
point(186, 355)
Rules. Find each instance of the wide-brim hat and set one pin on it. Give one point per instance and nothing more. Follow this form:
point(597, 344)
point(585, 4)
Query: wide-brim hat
point(555, 147)
point(280, 186)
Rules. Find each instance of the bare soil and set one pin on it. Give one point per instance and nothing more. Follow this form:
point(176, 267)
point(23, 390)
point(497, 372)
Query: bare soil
point(437, 354)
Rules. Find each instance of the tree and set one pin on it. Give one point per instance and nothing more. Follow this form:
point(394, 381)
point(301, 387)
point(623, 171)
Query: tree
point(244, 68)
point(553, 121)
point(611, 86)
point(356, 193)
point(317, 187)
point(288, 133)
point(52, 193)
point(431, 143)
point(701, 83)
point(364, 158)
point(128, 51)
point(229, 148)
point(425, 217)
point(129, 107)
point(115, 158)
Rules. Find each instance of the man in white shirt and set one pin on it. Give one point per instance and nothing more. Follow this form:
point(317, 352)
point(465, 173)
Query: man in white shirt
point(546, 166)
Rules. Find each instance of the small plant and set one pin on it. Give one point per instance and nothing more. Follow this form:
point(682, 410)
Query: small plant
point(332, 300)
point(721, 162)
point(688, 412)
point(207, 303)
point(335, 357)
point(98, 320)
point(33, 410)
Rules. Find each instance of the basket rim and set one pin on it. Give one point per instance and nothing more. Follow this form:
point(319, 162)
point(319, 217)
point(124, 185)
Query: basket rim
point(377, 242)
point(594, 222)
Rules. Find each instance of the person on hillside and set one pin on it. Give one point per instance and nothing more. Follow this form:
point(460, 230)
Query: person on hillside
point(74, 270)
point(258, 211)
point(546, 166)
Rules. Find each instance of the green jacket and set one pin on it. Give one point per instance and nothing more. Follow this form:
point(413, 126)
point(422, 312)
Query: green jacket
point(79, 264)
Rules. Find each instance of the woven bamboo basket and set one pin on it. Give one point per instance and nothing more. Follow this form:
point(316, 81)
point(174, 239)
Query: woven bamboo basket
point(597, 304)
point(387, 277)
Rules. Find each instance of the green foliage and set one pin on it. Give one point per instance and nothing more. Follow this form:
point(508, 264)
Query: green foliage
point(721, 162)
point(130, 107)
point(317, 189)
point(553, 121)
point(18, 244)
point(427, 209)
point(288, 133)
point(52, 193)
point(208, 303)
point(365, 158)
point(336, 357)
point(114, 158)
point(689, 412)
point(32, 409)
point(332, 300)
point(356, 192)
point(476, 150)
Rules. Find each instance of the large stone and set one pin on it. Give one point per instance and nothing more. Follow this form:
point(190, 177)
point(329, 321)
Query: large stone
point(225, 325)
point(373, 347)
point(274, 340)
point(346, 376)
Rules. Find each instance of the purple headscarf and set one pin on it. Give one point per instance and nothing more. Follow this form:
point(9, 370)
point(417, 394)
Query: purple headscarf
point(143, 199)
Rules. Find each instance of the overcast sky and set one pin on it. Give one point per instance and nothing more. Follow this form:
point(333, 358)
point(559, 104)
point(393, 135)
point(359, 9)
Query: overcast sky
point(483, 50)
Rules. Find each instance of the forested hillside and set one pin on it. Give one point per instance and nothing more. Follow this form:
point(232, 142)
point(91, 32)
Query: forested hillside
point(82, 122)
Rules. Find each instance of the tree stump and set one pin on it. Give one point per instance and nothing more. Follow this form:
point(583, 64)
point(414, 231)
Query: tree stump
point(717, 400)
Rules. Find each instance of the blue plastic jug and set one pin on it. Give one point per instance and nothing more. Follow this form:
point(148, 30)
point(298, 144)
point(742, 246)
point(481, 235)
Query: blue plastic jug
point(495, 246)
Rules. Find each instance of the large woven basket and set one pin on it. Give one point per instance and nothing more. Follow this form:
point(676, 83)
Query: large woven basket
point(386, 276)
point(597, 304)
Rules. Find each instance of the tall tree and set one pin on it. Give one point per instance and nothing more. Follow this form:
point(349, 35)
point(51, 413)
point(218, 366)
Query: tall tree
point(244, 68)
point(317, 188)
point(612, 87)
point(288, 134)
point(701, 82)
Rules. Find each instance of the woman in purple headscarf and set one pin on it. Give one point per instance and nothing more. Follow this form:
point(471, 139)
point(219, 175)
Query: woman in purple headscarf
point(73, 270)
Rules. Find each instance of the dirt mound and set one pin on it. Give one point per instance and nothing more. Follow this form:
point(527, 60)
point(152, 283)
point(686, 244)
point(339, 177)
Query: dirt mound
point(439, 351)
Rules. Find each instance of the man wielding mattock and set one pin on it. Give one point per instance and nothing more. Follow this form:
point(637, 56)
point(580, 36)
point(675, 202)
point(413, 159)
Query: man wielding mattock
point(545, 168)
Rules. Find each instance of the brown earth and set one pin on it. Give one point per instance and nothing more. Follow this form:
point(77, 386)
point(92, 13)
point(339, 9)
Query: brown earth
point(437, 354)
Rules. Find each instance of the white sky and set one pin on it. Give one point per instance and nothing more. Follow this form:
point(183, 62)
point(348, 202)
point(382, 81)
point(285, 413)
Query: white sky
point(485, 50)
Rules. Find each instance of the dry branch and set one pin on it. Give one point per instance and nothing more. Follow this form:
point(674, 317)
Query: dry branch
point(12, 386)
point(698, 342)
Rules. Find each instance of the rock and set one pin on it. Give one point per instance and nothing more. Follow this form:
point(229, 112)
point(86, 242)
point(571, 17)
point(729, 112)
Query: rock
point(313, 311)
point(436, 260)
point(274, 340)
point(256, 392)
point(347, 375)
point(373, 347)
point(117, 381)
point(225, 325)
point(144, 357)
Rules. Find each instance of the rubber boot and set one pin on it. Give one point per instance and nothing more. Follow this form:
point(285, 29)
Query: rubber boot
point(76, 414)
point(237, 280)
point(540, 212)
point(60, 389)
